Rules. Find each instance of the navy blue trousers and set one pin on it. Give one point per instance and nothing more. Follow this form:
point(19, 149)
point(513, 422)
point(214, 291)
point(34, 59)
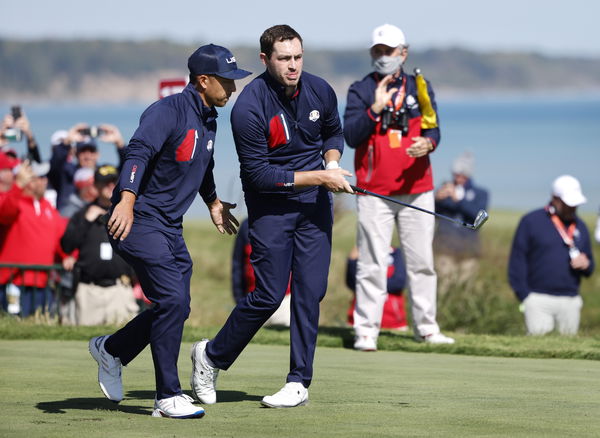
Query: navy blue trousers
point(287, 235)
point(31, 299)
point(164, 267)
point(35, 298)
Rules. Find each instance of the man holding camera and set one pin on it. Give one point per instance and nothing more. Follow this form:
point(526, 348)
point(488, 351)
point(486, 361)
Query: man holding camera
point(14, 128)
point(391, 120)
point(77, 148)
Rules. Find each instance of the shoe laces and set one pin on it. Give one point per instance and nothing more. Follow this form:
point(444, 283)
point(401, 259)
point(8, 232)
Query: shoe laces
point(181, 399)
point(290, 388)
point(187, 398)
point(208, 374)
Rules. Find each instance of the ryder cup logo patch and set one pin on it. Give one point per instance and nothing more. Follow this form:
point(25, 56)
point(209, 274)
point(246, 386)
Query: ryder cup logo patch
point(314, 116)
point(209, 145)
point(411, 102)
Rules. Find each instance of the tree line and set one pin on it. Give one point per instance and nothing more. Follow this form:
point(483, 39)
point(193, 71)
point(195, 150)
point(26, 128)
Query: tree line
point(32, 66)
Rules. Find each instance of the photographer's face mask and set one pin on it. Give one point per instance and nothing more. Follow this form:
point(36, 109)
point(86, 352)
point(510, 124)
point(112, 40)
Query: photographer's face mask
point(387, 65)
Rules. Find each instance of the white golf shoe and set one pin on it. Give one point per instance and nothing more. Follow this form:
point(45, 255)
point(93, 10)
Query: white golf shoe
point(365, 343)
point(291, 395)
point(435, 338)
point(109, 369)
point(179, 407)
point(204, 377)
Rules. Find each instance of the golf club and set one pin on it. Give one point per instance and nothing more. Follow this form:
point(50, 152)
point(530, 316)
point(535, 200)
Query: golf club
point(480, 219)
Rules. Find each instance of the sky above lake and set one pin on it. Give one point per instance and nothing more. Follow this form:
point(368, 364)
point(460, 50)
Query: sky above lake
point(550, 27)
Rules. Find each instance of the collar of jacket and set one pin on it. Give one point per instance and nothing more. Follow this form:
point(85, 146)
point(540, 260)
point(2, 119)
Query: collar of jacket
point(468, 184)
point(280, 89)
point(205, 113)
point(398, 81)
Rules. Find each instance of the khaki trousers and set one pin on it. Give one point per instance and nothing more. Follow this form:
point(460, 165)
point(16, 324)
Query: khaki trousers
point(544, 312)
point(376, 221)
point(97, 305)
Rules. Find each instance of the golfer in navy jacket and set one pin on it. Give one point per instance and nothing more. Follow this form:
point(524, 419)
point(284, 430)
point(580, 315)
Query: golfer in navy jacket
point(169, 160)
point(285, 123)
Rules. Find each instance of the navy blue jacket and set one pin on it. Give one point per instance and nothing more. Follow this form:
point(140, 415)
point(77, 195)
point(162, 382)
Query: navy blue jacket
point(360, 121)
point(381, 165)
point(452, 238)
point(170, 159)
point(539, 259)
point(276, 136)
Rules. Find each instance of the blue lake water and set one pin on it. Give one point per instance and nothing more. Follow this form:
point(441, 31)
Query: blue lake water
point(520, 145)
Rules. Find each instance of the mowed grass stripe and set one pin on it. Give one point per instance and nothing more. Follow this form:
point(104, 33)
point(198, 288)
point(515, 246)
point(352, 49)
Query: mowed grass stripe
point(48, 388)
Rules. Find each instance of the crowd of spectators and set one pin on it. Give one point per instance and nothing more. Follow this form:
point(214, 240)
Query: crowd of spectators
point(55, 258)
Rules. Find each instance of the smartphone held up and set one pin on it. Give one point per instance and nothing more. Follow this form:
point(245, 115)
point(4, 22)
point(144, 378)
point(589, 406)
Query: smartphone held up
point(12, 133)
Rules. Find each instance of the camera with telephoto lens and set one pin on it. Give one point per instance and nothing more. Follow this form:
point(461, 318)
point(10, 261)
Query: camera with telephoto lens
point(92, 131)
point(394, 119)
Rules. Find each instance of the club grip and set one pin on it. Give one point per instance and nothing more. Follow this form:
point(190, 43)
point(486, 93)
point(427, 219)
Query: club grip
point(358, 189)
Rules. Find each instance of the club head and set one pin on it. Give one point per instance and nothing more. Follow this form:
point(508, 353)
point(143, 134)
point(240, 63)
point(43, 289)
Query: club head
point(480, 219)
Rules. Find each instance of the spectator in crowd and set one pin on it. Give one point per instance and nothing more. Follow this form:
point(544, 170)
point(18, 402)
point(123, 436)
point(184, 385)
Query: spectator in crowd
point(457, 249)
point(391, 121)
point(10, 193)
point(394, 316)
point(30, 230)
point(243, 280)
point(85, 192)
point(551, 251)
point(21, 128)
point(79, 149)
point(7, 178)
point(102, 279)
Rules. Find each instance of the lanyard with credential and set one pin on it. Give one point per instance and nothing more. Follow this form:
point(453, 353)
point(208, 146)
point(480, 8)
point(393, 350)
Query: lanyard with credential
point(566, 233)
point(397, 104)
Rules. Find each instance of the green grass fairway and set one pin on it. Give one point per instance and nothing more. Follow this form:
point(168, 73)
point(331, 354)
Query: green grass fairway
point(49, 389)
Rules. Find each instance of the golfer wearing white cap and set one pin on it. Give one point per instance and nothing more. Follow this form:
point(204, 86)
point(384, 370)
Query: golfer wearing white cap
point(550, 253)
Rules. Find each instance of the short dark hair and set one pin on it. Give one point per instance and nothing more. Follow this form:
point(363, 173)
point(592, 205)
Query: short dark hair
point(280, 32)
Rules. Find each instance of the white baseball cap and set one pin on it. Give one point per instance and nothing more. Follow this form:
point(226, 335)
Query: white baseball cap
point(58, 137)
point(464, 164)
point(388, 35)
point(83, 177)
point(40, 169)
point(568, 189)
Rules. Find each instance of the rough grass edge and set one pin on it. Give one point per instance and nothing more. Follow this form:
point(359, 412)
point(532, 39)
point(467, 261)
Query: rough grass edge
point(544, 347)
